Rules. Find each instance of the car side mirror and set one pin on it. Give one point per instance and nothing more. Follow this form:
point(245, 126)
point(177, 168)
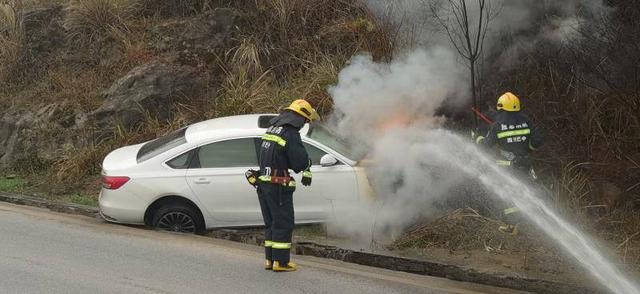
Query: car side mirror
point(328, 160)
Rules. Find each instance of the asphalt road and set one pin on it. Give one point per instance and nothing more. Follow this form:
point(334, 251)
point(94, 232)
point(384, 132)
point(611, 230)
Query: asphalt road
point(46, 252)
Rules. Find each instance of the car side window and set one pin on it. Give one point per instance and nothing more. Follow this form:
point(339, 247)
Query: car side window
point(230, 153)
point(180, 162)
point(314, 153)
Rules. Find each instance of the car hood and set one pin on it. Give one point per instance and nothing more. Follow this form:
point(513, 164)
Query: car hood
point(121, 158)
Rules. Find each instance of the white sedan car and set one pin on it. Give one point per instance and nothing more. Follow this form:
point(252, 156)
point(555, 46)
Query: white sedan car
point(193, 179)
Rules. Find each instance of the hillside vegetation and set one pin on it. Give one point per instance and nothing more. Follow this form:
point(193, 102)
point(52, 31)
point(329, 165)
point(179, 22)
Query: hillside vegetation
point(67, 68)
point(79, 78)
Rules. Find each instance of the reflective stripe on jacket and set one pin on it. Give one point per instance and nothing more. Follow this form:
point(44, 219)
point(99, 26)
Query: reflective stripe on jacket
point(514, 133)
point(281, 148)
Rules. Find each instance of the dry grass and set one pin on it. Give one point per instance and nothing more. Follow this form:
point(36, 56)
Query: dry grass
point(133, 42)
point(464, 229)
point(242, 92)
point(86, 162)
point(296, 31)
point(68, 82)
point(283, 50)
point(259, 74)
point(313, 82)
point(79, 163)
point(173, 7)
point(573, 186)
point(12, 36)
point(91, 20)
point(585, 204)
point(294, 49)
point(78, 74)
point(247, 86)
point(626, 236)
point(71, 84)
point(250, 55)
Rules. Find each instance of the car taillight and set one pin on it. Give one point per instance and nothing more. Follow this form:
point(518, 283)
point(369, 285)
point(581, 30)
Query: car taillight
point(113, 183)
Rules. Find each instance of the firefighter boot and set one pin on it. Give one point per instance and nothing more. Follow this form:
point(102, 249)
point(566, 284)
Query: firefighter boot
point(290, 267)
point(509, 229)
point(268, 264)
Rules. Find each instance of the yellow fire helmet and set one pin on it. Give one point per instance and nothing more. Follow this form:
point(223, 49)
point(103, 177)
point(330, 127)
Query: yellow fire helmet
point(302, 107)
point(508, 102)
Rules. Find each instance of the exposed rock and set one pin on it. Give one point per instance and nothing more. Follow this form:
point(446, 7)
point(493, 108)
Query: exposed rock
point(7, 139)
point(50, 130)
point(42, 36)
point(43, 133)
point(147, 89)
point(197, 38)
point(43, 29)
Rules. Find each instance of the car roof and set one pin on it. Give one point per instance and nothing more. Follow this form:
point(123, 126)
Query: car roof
point(236, 127)
point(231, 126)
point(224, 127)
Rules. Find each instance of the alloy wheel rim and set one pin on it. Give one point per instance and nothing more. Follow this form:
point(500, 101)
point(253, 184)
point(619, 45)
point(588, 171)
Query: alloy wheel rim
point(177, 222)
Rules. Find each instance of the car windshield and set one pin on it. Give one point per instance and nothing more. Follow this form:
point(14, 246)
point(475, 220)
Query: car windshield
point(326, 137)
point(162, 144)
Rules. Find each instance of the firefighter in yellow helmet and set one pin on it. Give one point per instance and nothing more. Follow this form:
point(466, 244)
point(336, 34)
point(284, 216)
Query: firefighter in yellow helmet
point(282, 151)
point(516, 137)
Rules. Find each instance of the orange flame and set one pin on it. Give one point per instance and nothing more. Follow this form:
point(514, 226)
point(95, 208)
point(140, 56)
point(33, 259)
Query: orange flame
point(398, 120)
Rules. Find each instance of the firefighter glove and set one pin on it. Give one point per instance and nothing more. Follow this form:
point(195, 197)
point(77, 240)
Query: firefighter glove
point(252, 177)
point(306, 177)
point(475, 136)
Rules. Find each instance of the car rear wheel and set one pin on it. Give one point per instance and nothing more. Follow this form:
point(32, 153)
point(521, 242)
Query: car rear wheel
point(178, 218)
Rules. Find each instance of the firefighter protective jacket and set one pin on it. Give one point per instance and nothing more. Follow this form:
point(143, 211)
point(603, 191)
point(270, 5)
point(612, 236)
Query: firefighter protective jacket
point(514, 133)
point(281, 148)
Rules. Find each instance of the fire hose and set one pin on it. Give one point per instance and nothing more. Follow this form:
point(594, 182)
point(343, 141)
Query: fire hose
point(482, 116)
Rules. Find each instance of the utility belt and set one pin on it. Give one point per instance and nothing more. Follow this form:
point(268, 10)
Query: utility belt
point(511, 159)
point(278, 177)
point(518, 162)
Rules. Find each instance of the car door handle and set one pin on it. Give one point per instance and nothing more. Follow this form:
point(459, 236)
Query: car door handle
point(202, 181)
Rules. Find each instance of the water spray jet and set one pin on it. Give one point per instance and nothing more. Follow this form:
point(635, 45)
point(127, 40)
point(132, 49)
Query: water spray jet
point(439, 150)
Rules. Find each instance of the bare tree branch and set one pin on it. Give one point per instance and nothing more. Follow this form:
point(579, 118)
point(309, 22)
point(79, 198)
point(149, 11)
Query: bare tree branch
point(458, 19)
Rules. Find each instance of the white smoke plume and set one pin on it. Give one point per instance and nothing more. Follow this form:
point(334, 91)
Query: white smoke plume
point(407, 179)
point(409, 89)
point(537, 20)
point(388, 110)
point(379, 106)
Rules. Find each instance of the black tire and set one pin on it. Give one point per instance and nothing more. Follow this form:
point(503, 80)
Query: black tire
point(177, 217)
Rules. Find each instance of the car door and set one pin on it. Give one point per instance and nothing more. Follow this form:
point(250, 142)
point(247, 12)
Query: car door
point(217, 179)
point(331, 186)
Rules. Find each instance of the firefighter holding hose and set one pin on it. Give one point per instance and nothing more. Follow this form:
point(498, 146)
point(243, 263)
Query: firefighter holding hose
point(281, 150)
point(516, 138)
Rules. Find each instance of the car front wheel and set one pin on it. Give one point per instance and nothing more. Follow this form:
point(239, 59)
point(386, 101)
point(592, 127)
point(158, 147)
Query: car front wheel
point(178, 218)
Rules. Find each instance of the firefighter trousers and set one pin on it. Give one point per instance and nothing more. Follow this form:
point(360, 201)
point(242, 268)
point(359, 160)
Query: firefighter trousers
point(522, 167)
point(276, 203)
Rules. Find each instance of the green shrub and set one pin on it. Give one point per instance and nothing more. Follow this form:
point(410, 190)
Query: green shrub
point(11, 185)
point(83, 199)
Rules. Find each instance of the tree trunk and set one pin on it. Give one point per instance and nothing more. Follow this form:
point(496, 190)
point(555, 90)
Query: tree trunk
point(474, 93)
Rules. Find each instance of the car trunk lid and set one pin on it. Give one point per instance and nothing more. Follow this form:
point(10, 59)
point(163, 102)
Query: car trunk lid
point(121, 158)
